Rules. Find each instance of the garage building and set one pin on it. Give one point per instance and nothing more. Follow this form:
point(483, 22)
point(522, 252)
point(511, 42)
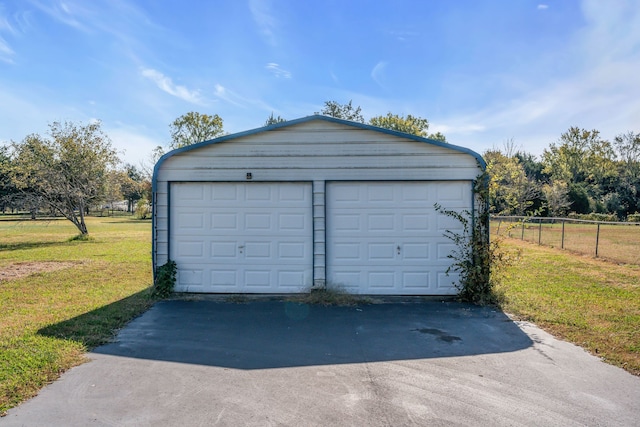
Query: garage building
point(316, 201)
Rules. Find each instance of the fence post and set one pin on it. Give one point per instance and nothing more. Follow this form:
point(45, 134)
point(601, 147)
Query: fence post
point(597, 239)
point(539, 231)
point(522, 235)
point(562, 244)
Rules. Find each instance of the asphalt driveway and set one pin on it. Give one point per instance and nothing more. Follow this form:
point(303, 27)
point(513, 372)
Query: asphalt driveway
point(277, 363)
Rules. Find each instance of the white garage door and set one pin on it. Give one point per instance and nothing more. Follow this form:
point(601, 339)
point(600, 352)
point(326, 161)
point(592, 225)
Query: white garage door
point(242, 237)
point(386, 237)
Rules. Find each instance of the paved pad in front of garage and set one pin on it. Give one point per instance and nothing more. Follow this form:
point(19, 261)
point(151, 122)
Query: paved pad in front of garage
point(283, 363)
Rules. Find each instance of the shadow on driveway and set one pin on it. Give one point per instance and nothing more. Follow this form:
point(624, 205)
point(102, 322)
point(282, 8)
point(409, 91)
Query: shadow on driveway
point(277, 334)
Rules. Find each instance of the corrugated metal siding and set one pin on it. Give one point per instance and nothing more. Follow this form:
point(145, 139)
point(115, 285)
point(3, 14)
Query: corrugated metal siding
point(316, 151)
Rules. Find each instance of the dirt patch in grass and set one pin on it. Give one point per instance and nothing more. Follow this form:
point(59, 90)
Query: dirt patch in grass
point(19, 270)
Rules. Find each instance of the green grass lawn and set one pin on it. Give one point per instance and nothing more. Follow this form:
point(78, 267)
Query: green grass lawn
point(592, 303)
point(49, 318)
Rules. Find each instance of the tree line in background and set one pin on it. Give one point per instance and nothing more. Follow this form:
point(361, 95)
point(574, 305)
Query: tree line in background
point(581, 175)
point(75, 169)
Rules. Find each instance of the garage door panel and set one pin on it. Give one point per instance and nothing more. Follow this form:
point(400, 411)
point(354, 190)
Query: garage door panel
point(387, 238)
point(225, 221)
point(290, 279)
point(224, 278)
point(222, 249)
point(190, 277)
point(254, 278)
point(258, 222)
point(259, 193)
point(445, 223)
point(415, 280)
point(445, 282)
point(451, 192)
point(381, 279)
point(415, 223)
point(191, 193)
point(296, 222)
point(415, 252)
point(224, 193)
point(381, 222)
point(292, 251)
point(345, 252)
point(250, 236)
point(257, 251)
point(191, 221)
point(383, 194)
point(381, 251)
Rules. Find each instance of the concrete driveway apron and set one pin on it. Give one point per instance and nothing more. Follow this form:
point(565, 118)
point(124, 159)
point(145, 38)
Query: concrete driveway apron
point(206, 362)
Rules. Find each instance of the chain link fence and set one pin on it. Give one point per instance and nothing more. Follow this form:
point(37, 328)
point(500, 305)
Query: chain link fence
point(615, 241)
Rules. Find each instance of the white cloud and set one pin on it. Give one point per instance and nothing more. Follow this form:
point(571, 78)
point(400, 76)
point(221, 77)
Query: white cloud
point(602, 92)
point(377, 73)
point(166, 84)
point(66, 13)
point(267, 24)
point(6, 53)
point(543, 6)
point(278, 71)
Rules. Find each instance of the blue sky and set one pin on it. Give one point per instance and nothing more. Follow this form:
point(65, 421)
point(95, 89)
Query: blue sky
point(481, 71)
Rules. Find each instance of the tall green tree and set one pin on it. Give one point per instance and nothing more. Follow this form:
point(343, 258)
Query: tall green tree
point(68, 171)
point(409, 124)
point(193, 127)
point(627, 145)
point(586, 162)
point(342, 111)
point(511, 191)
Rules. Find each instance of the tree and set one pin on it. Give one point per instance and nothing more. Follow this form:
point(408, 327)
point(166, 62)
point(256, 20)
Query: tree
point(7, 189)
point(586, 162)
point(131, 183)
point(273, 120)
point(566, 159)
point(342, 111)
point(532, 167)
point(409, 124)
point(193, 127)
point(511, 192)
point(68, 172)
point(627, 146)
point(556, 195)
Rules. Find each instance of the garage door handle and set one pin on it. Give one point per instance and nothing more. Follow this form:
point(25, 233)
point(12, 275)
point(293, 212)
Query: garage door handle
point(398, 249)
point(241, 248)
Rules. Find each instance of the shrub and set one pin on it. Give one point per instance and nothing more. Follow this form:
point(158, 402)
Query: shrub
point(633, 217)
point(480, 261)
point(594, 216)
point(143, 210)
point(165, 280)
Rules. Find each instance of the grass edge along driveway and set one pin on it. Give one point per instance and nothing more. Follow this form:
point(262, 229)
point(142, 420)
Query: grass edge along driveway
point(50, 318)
point(590, 302)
